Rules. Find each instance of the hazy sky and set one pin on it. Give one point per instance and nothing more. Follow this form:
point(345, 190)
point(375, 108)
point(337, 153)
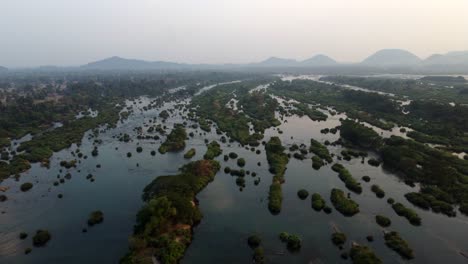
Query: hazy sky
point(72, 32)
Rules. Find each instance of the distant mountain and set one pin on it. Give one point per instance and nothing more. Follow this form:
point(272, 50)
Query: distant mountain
point(118, 63)
point(392, 57)
point(3, 69)
point(319, 60)
point(451, 58)
point(275, 61)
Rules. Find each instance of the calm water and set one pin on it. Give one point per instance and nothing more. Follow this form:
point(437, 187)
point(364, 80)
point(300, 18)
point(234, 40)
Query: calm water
point(230, 215)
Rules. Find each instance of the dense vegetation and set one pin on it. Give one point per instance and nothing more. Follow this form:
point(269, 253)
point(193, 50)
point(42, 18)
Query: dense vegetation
point(175, 141)
point(395, 242)
point(277, 160)
point(347, 178)
point(363, 255)
point(344, 205)
point(164, 223)
point(320, 150)
point(213, 151)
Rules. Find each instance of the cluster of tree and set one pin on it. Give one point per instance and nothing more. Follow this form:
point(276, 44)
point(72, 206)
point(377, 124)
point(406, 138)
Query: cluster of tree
point(277, 160)
point(175, 141)
point(163, 227)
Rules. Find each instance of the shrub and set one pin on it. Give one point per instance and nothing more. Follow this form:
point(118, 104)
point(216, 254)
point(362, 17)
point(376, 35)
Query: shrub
point(378, 191)
point(383, 221)
point(408, 213)
point(139, 149)
point(338, 238)
point(395, 242)
point(26, 186)
point(190, 153)
point(95, 217)
point(241, 162)
point(318, 203)
point(373, 162)
point(254, 241)
point(366, 178)
point(302, 194)
point(363, 255)
point(233, 155)
point(344, 205)
point(23, 235)
point(41, 238)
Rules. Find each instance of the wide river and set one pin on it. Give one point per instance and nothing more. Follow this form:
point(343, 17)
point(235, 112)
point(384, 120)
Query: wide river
point(230, 214)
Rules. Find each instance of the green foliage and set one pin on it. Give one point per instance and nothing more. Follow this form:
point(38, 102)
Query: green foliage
point(213, 151)
point(359, 135)
point(318, 203)
point(41, 238)
point(363, 255)
point(317, 162)
point(344, 205)
point(96, 217)
point(164, 223)
point(293, 242)
point(277, 160)
point(395, 242)
point(190, 153)
point(427, 201)
point(254, 241)
point(383, 221)
point(302, 194)
point(338, 238)
point(320, 150)
point(241, 162)
point(378, 191)
point(312, 113)
point(175, 141)
point(26, 186)
point(347, 178)
point(408, 213)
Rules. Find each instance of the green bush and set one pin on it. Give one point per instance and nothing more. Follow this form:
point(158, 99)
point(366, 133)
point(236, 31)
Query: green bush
point(383, 221)
point(254, 241)
point(338, 238)
point(318, 203)
point(302, 194)
point(95, 217)
point(344, 205)
point(395, 242)
point(190, 153)
point(26, 186)
point(241, 162)
point(408, 213)
point(378, 191)
point(363, 255)
point(41, 238)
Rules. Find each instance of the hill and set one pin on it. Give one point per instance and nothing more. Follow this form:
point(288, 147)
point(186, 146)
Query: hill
point(392, 57)
point(319, 60)
point(450, 58)
point(118, 63)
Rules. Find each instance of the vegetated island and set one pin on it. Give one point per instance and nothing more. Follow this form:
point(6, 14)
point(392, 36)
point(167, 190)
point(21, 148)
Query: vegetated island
point(277, 160)
point(164, 224)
